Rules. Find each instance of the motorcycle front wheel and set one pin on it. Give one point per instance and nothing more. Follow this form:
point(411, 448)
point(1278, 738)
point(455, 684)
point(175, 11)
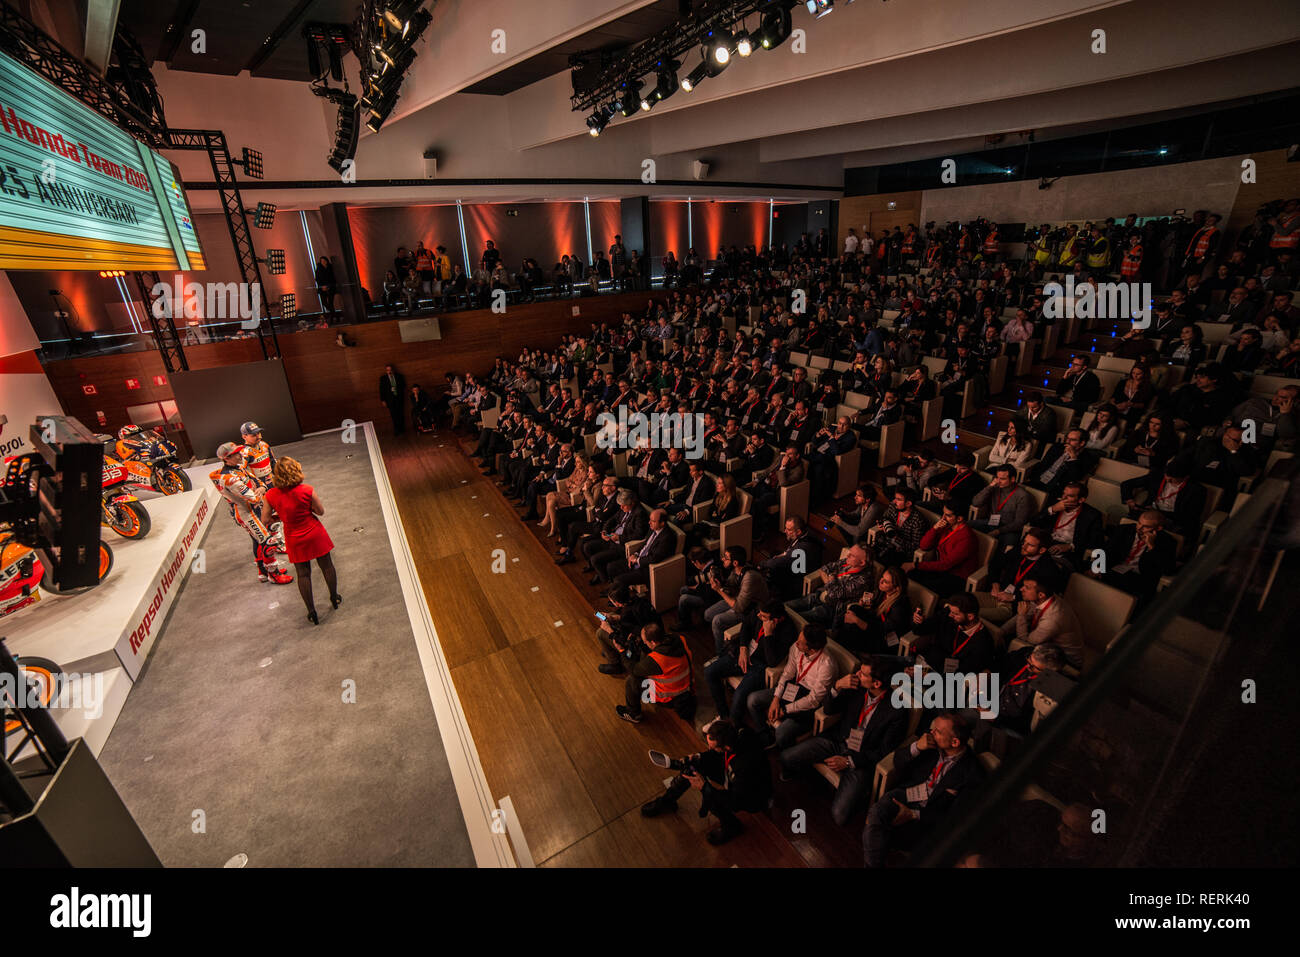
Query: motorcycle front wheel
point(172, 481)
point(128, 519)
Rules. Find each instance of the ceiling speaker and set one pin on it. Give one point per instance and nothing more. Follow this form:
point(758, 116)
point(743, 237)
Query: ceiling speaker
point(699, 169)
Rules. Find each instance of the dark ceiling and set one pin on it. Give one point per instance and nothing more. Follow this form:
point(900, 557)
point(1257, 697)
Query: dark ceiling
point(626, 30)
point(265, 37)
point(261, 36)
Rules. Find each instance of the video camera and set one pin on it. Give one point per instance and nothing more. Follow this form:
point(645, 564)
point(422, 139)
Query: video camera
point(686, 765)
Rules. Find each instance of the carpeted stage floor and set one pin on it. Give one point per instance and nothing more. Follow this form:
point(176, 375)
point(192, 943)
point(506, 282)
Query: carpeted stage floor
point(240, 711)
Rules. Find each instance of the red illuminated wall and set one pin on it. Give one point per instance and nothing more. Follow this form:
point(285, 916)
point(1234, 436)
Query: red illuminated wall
point(728, 224)
point(606, 223)
point(668, 231)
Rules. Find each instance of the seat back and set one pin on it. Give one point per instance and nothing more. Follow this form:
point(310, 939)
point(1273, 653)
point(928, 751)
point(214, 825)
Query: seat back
point(1102, 611)
point(922, 598)
point(890, 449)
point(1114, 364)
point(850, 464)
point(794, 500)
point(1112, 470)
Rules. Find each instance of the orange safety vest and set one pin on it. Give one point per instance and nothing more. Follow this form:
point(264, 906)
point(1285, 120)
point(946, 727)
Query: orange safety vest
point(932, 254)
point(1286, 234)
point(991, 244)
point(909, 243)
point(1132, 263)
point(676, 677)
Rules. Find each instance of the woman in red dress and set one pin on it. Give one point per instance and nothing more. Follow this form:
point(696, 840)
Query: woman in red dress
point(305, 537)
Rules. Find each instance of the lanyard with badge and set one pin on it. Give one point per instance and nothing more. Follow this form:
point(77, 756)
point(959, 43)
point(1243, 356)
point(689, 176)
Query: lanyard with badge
point(793, 688)
point(920, 793)
point(995, 517)
point(950, 663)
point(859, 730)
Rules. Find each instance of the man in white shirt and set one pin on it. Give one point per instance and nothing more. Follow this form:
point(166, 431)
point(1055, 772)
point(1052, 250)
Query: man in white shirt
point(786, 711)
point(1042, 615)
point(851, 242)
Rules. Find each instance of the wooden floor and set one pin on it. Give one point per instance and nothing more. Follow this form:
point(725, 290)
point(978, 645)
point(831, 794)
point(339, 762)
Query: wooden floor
point(522, 651)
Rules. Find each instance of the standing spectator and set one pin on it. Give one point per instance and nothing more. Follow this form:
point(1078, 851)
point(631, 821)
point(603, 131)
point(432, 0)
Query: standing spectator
point(326, 284)
point(305, 538)
point(392, 392)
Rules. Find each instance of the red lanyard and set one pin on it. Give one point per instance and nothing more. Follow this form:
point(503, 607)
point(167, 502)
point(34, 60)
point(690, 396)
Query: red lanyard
point(849, 571)
point(956, 651)
point(1017, 680)
point(729, 756)
point(1061, 524)
point(813, 661)
point(867, 708)
point(936, 773)
point(1025, 565)
point(1003, 503)
point(1040, 612)
point(950, 534)
point(958, 480)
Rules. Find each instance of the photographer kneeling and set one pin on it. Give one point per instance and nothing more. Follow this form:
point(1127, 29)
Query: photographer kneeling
point(733, 775)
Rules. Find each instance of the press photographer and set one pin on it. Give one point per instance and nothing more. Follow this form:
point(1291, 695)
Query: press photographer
point(732, 775)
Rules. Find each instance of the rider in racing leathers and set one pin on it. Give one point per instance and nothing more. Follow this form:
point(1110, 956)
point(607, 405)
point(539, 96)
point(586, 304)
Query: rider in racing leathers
point(259, 460)
point(244, 494)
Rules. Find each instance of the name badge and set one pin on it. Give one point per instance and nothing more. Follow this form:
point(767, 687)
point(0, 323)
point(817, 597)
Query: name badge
point(823, 447)
point(918, 793)
point(891, 639)
point(949, 665)
point(745, 420)
point(855, 739)
point(1268, 428)
point(1144, 461)
point(994, 521)
point(794, 435)
point(790, 693)
point(891, 481)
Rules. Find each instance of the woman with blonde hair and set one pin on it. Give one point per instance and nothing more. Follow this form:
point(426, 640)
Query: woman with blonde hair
point(567, 493)
point(305, 538)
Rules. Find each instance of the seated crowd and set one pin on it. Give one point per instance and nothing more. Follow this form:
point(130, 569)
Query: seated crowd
point(1019, 557)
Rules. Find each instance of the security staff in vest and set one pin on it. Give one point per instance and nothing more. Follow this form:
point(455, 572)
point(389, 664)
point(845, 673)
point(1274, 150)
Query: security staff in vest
point(1098, 254)
point(661, 671)
point(732, 775)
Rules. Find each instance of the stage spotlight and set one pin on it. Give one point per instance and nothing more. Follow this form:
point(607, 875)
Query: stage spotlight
point(288, 306)
point(275, 262)
point(596, 125)
point(667, 84)
point(264, 215)
point(776, 27)
point(629, 97)
point(399, 14)
point(252, 163)
point(744, 45)
point(719, 43)
point(693, 78)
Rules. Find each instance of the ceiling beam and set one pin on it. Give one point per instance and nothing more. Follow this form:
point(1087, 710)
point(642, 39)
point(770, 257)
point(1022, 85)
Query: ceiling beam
point(101, 27)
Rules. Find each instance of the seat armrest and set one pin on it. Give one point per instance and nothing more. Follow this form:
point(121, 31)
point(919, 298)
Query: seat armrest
point(977, 579)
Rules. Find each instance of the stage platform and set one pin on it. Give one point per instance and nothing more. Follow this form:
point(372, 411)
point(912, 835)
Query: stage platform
point(107, 632)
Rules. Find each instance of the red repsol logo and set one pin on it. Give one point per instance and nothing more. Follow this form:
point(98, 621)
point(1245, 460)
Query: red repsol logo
point(142, 631)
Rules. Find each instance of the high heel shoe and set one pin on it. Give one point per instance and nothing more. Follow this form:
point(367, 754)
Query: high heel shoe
point(311, 617)
point(336, 600)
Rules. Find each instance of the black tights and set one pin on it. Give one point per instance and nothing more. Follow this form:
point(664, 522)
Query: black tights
point(326, 563)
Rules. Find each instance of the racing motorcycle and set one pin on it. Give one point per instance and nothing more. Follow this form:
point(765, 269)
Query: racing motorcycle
point(45, 675)
point(149, 459)
point(121, 511)
point(21, 571)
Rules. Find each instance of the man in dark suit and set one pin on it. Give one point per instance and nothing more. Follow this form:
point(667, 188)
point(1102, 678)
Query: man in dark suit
point(392, 392)
point(802, 554)
point(1173, 493)
point(1138, 555)
point(889, 411)
point(627, 525)
point(1037, 421)
point(671, 473)
point(1079, 387)
point(954, 633)
point(1070, 461)
point(1073, 524)
point(933, 771)
point(659, 545)
point(869, 727)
